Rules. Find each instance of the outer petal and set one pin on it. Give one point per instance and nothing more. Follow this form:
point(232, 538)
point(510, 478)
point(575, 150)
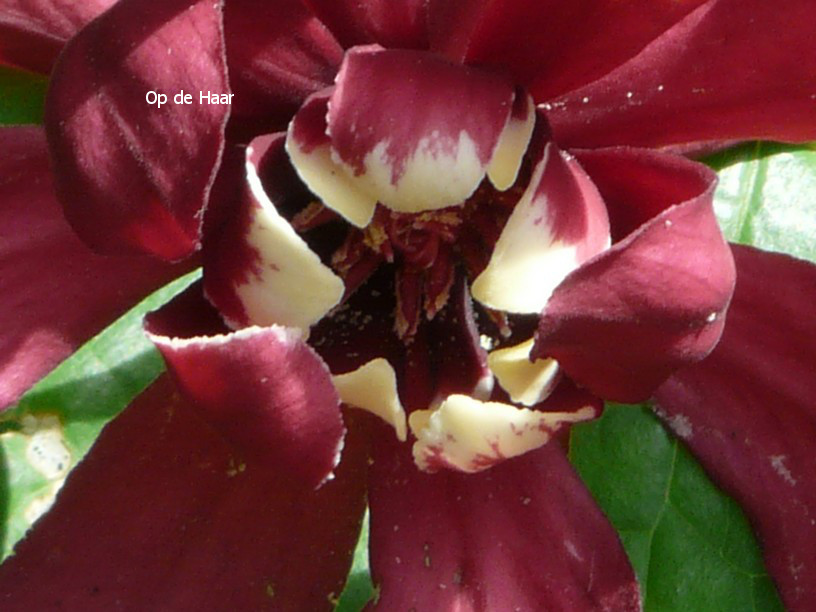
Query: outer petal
point(161, 515)
point(278, 54)
point(267, 392)
point(748, 413)
point(732, 70)
point(623, 322)
point(32, 32)
point(133, 176)
point(450, 121)
point(54, 292)
point(559, 223)
point(550, 46)
point(524, 535)
point(259, 271)
point(391, 23)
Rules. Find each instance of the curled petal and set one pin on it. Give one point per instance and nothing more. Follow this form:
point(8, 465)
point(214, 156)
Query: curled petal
point(130, 174)
point(731, 70)
point(55, 292)
point(263, 388)
point(391, 23)
point(747, 411)
point(259, 271)
point(513, 142)
point(309, 148)
point(469, 435)
point(33, 32)
point(525, 535)
point(623, 322)
point(373, 387)
point(526, 381)
point(558, 224)
point(451, 118)
point(161, 489)
point(278, 54)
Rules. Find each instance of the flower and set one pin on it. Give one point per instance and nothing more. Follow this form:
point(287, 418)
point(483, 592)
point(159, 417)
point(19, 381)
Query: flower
point(254, 423)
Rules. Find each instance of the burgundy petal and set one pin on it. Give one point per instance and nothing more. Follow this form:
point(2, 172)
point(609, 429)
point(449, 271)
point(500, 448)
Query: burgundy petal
point(623, 322)
point(267, 392)
point(32, 32)
point(161, 515)
point(732, 69)
point(450, 120)
point(133, 176)
point(391, 23)
point(550, 46)
point(748, 413)
point(278, 53)
point(54, 292)
point(524, 535)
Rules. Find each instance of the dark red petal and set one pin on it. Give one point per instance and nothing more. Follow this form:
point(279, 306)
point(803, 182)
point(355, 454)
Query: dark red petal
point(130, 175)
point(54, 292)
point(524, 535)
point(278, 53)
point(32, 32)
point(391, 23)
point(654, 302)
point(450, 121)
point(161, 515)
point(732, 70)
point(550, 46)
point(748, 413)
point(267, 392)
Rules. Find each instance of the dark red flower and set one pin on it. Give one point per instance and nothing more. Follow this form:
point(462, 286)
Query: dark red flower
point(381, 162)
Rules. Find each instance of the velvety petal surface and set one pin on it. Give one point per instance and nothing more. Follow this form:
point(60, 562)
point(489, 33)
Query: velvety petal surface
point(731, 70)
point(278, 53)
point(559, 223)
point(259, 271)
point(450, 121)
point(550, 46)
point(131, 175)
point(391, 23)
point(748, 413)
point(263, 388)
point(32, 32)
point(54, 292)
point(655, 301)
point(163, 515)
point(523, 535)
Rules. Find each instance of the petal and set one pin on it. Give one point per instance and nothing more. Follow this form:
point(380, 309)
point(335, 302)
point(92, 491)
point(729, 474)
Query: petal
point(558, 224)
point(731, 70)
point(391, 23)
point(526, 381)
point(267, 392)
point(162, 515)
point(655, 301)
point(450, 121)
point(131, 175)
point(748, 413)
point(278, 54)
point(469, 435)
point(41, 259)
point(373, 387)
point(513, 142)
point(309, 148)
point(525, 535)
point(259, 271)
point(32, 32)
point(550, 46)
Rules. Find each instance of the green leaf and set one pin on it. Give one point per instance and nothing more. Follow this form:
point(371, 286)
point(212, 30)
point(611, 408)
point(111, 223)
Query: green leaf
point(690, 544)
point(55, 423)
point(767, 197)
point(22, 96)
point(359, 589)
